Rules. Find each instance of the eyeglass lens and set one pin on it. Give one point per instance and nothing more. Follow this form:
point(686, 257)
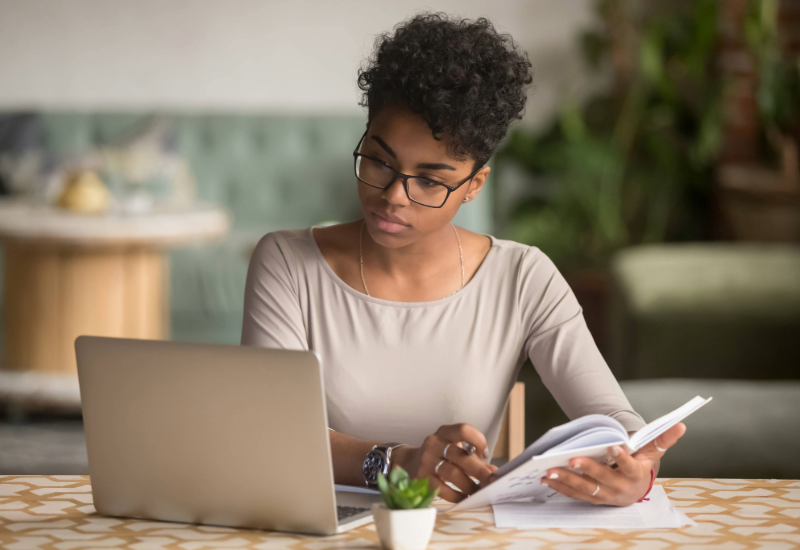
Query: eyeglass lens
point(420, 190)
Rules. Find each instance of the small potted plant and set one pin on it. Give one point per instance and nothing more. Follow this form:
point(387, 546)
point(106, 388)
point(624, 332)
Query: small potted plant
point(405, 518)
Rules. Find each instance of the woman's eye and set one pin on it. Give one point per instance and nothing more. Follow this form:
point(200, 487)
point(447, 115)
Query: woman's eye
point(381, 163)
point(378, 157)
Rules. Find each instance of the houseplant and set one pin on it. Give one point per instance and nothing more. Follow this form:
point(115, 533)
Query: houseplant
point(760, 200)
point(405, 518)
point(634, 162)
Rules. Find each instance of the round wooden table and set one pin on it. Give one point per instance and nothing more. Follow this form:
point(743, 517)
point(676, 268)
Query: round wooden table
point(68, 274)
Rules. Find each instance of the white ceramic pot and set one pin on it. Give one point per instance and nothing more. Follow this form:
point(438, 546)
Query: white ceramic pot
point(404, 529)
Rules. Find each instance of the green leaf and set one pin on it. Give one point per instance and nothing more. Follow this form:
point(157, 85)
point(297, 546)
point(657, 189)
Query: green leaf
point(426, 501)
point(572, 124)
point(383, 485)
point(397, 475)
point(651, 57)
point(402, 502)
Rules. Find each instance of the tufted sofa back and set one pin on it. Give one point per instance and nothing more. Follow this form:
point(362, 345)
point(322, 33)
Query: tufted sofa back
point(271, 171)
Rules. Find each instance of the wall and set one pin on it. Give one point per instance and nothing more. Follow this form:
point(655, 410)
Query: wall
point(244, 54)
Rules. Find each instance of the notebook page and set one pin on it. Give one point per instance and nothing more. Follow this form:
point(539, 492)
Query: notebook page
point(559, 434)
point(589, 438)
point(662, 424)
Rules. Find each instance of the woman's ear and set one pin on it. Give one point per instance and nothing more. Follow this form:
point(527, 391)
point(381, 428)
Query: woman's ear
point(476, 184)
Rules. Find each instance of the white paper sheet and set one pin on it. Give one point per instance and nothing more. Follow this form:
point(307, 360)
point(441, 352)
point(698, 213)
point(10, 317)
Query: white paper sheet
point(564, 512)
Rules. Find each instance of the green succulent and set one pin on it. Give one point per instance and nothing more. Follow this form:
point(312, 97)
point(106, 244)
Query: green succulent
point(402, 493)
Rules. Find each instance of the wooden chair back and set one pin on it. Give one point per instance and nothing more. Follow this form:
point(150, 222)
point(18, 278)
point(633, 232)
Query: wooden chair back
point(511, 440)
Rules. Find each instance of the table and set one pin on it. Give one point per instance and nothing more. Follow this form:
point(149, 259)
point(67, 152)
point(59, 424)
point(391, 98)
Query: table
point(68, 274)
point(56, 512)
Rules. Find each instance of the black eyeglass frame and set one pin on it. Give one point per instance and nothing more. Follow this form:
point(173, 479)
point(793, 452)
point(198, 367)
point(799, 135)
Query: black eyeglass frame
point(405, 177)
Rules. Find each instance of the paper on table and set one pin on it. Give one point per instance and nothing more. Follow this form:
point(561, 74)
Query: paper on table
point(564, 512)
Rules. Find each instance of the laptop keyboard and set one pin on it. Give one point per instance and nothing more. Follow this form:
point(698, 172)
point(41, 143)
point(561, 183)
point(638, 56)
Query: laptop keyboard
point(345, 512)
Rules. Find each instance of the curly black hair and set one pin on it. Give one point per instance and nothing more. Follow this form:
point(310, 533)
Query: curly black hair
point(466, 80)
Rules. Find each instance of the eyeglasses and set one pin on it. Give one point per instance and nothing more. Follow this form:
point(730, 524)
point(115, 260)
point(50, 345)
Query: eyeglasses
point(376, 173)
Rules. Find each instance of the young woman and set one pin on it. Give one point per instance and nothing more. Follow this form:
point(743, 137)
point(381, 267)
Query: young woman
point(423, 326)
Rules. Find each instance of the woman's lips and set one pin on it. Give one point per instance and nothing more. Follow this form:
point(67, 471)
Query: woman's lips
point(387, 225)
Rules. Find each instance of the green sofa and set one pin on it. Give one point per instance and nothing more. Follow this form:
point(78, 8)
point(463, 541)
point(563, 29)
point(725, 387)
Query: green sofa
point(719, 320)
point(706, 310)
point(271, 171)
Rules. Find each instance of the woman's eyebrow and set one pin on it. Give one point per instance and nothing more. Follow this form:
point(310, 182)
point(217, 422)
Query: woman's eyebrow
point(426, 165)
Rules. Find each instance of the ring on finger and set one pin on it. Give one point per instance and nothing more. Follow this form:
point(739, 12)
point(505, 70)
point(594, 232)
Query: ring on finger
point(597, 490)
point(436, 469)
point(444, 453)
point(659, 448)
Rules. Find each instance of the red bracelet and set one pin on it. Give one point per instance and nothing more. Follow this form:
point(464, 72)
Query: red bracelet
point(652, 479)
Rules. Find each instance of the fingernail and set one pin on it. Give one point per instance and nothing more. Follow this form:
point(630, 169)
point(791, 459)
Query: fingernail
point(486, 452)
point(576, 464)
point(553, 476)
point(615, 451)
point(544, 482)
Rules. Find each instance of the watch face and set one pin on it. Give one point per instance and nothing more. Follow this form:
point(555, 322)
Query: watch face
point(374, 463)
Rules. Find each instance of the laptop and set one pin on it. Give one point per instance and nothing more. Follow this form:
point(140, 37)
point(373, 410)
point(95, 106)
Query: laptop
point(224, 435)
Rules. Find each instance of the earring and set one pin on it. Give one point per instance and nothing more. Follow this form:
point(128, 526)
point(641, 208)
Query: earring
point(465, 200)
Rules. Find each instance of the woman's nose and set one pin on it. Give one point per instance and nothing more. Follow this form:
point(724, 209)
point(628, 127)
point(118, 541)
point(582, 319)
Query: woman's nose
point(395, 192)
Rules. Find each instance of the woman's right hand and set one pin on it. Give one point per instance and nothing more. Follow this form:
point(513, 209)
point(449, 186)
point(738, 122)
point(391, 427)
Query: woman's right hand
point(457, 467)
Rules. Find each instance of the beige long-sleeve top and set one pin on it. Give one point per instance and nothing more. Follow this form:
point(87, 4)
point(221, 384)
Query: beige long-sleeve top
point(396, 371)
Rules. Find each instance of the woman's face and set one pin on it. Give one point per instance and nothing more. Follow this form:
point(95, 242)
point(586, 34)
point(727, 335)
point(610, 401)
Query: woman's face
point(403, 140)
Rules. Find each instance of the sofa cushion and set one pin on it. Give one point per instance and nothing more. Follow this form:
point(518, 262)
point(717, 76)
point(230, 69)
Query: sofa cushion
point(707, 310)
point(749, 429)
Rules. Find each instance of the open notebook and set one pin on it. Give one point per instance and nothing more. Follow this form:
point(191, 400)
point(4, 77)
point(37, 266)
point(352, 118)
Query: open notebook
point(588, 436)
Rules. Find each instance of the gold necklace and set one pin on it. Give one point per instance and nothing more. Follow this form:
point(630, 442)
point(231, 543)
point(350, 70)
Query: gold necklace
point(361, 257)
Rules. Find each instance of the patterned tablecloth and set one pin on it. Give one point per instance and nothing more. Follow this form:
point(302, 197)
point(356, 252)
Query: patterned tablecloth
point(56, 512)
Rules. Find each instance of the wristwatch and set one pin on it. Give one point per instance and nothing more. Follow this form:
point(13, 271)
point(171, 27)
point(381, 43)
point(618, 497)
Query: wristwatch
point(379, 460)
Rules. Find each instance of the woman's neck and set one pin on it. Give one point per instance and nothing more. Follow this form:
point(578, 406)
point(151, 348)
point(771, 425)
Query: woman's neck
point(427, 270)
point(418, 260)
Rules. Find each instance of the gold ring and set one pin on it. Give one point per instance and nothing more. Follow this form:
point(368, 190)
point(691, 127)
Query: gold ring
point(436, 470)
point(596, 490)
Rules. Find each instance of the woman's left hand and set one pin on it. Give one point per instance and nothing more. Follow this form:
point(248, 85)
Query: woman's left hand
point(621, 486)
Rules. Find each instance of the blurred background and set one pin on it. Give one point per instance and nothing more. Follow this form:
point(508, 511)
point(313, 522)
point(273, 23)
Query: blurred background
point(146, 146)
